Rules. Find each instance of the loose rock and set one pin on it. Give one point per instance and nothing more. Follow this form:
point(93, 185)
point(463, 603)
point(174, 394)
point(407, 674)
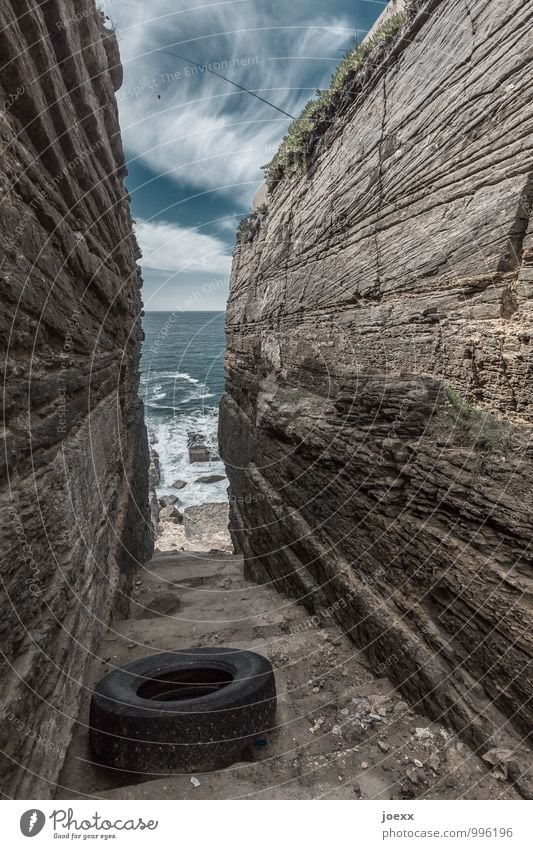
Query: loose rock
point(170, 514)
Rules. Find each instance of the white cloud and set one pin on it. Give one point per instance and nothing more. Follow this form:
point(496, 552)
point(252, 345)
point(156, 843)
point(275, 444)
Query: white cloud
point(202, 131)
point(172, 248)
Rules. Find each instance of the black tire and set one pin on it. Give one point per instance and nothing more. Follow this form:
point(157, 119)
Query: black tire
point(188, 710)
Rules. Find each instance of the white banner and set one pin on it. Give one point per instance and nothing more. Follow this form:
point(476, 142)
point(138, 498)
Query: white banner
point(268, 825)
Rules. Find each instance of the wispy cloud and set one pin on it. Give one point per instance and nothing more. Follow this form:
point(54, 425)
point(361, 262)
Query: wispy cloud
point(170, 247)
point(201, 131)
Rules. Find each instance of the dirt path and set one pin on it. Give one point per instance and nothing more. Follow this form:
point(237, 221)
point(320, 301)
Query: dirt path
point(343, 732)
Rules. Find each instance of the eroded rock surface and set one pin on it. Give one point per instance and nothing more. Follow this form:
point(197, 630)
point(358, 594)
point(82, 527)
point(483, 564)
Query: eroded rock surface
point(73, 501)
point(377, 424)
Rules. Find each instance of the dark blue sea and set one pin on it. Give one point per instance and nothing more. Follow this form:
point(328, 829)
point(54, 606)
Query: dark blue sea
point(182, 381)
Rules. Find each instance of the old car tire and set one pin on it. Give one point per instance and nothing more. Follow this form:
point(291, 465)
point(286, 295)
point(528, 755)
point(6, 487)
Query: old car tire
point(188, 710)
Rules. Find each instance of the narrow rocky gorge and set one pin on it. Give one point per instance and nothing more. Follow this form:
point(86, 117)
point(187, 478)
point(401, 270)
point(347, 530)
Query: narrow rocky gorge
point(74, 496)
point(377, 425)
point(376, 428)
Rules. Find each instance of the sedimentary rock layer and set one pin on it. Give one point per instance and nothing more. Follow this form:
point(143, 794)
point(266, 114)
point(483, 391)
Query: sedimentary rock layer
point(377, 423)
point(74, 478)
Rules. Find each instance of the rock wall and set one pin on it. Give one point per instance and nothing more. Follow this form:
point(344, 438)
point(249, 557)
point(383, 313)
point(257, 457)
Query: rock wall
point(74, 480)
point(377, 422)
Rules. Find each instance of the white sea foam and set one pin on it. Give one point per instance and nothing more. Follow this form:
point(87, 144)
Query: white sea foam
point(169, 375)
point(182, 375)
point(171, 446)
point(174, 407)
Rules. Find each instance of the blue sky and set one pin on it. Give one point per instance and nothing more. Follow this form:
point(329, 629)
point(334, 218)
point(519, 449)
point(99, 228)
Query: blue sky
point(194, 143)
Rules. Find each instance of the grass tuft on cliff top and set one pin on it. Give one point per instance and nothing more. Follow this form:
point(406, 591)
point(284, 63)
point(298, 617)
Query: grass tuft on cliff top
point(291, 158)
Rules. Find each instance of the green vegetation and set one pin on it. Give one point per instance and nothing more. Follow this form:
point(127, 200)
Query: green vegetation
point(291, 158)
point(488, 432)
point(242, 229)
point(250, 224)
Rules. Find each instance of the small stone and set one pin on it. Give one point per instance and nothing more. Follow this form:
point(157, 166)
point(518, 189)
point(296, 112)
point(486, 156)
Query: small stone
point(412, 775)
point(423, 733)
point(178, 484)
point(364, 765)
point(418, 763)
point(383, 746)
point(434, 762)
point(170, 513)
point(159, 604)
point(401, 707)
point(131, 645)
point(194, 781)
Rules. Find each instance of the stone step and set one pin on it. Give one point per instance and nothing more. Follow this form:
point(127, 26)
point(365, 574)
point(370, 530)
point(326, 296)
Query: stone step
point(194, 562)
point(187, 628)
point(169, 574)
point(186, 557)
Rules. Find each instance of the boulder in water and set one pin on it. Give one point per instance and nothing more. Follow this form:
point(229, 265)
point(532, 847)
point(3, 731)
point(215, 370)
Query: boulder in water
point(210, 478)
point(168, 500)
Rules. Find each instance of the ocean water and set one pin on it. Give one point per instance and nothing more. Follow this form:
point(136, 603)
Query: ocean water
point(182, 381)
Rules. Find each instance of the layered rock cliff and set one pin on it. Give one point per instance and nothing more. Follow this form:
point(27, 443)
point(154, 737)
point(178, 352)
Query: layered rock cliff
point(377, 424)
point(74, 480)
